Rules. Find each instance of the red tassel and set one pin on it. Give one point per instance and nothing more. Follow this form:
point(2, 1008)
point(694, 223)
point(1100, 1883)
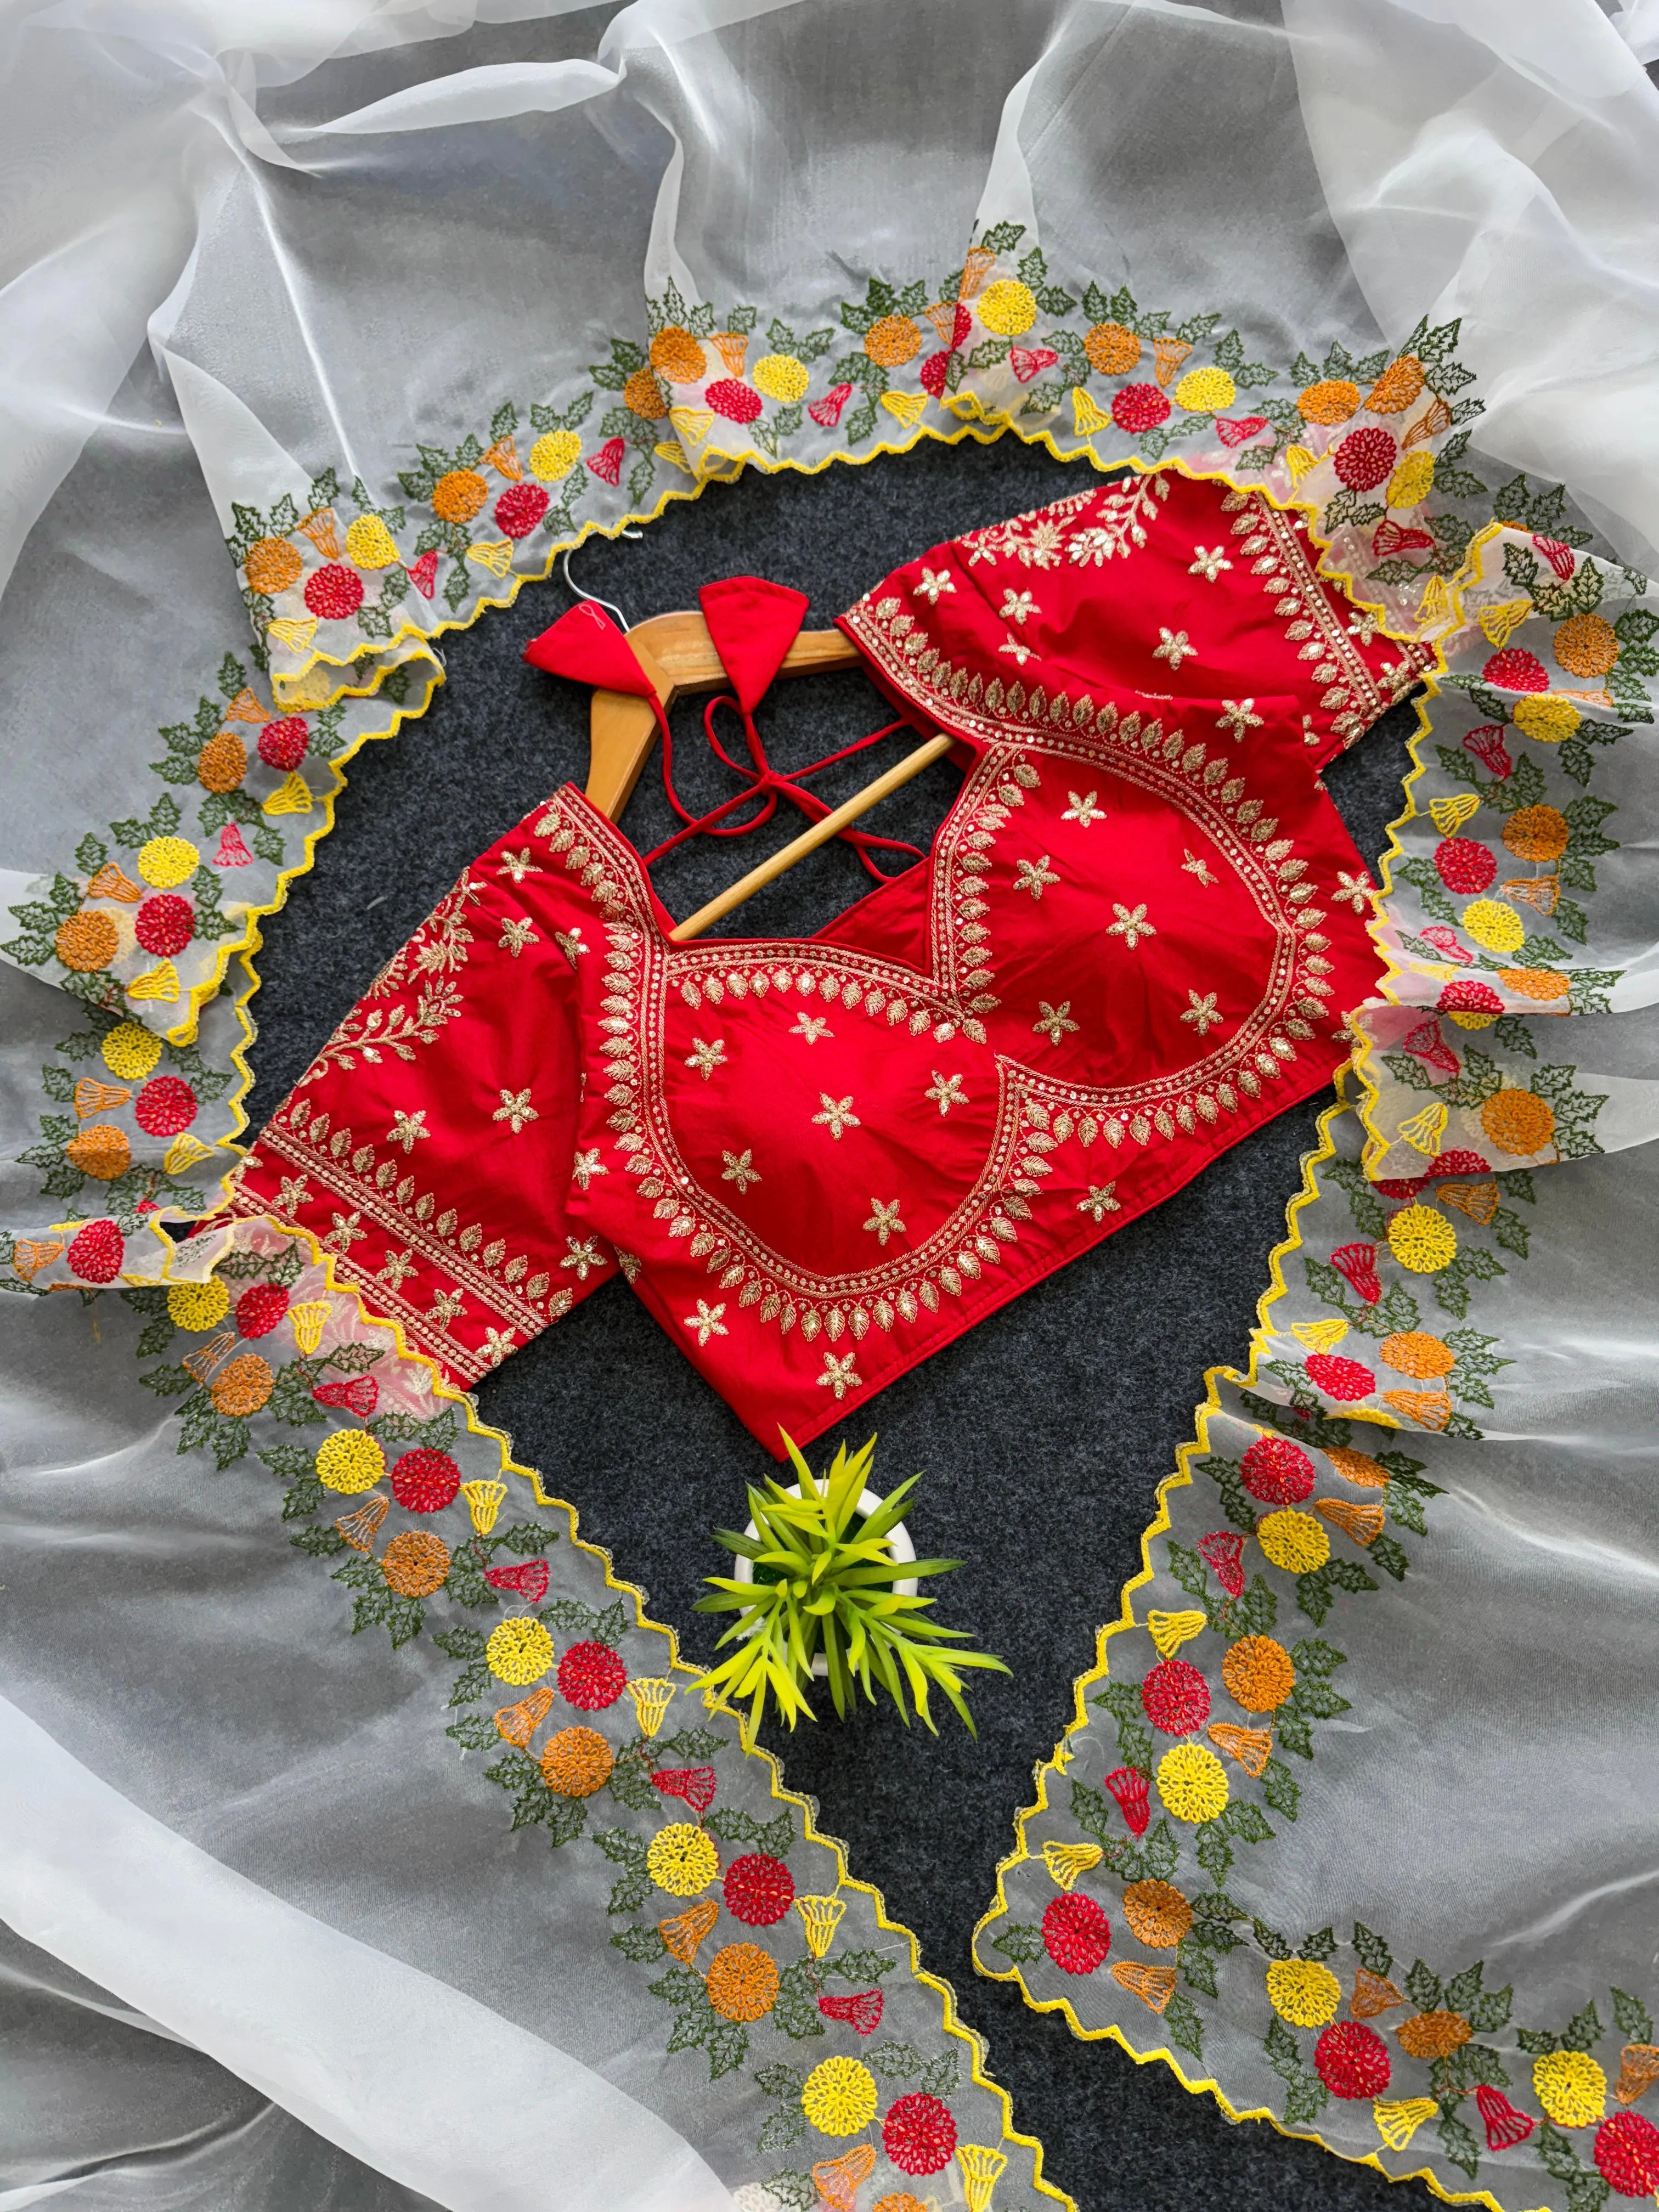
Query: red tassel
point(862, 2011)
point(423, 575)
point(1425, 1043)
point(1133, 1795)
point(1225, 1551)
point(1505, 2127)
point(362, 1394)
point(1359, 1263)
point(528, 1582)
point(696, 1784)
point(607, 462)
point(826, 412)
point(1241, 431)
point(1486, 743)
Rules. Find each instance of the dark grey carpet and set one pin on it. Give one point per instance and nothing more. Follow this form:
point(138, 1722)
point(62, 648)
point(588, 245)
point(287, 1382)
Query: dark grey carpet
point(1044, 1432)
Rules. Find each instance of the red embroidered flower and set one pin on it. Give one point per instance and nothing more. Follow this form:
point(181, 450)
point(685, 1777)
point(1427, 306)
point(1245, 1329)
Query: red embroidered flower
point(1459, 1162)
point(1225, 1551)
point(283, 744)
point(165, 1105)
point(1133, 1793)
point(1176, 1697)
point(1353, 2060)
point(606, 463)
point(1358, 1263)
point(1627, 2154)
point(1278, 1472)
point(1464, 866)
point(826, 411)
point(1076, 1933)
point(259, 1311)
point(1516, 670)
point(96, 1253)
point(919, 2134)
point(425, 1481)
point(738, 403)
point(1486, 743)
point(1365, 458)
point(759, 1889)
point(1140, 407)
point(164, 924)
point(1469, 996)
point(334, 592)
point(592, 1676)
point(520, 509)
point(1338, 1377)
point(933, 371)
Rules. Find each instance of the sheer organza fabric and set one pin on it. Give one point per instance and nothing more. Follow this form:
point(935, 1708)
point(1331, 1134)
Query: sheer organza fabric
point(260, 279)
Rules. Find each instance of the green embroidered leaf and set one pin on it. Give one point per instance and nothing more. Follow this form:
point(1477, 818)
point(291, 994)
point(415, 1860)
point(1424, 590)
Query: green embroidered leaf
point(859, 1966)
point(1456, 2140)
point(1537, 2042)
point(630, 1784)
point(734, 1826)
point(895, 2062)
point(1315, 1592)
point(1389, 1556)
point(471, 1684)
point(1228, 1477)
point(1160, 1853)
point(1196, 1962)
point(796, 2010)
point(1281, 1792)
point(567, 1819)
point(1183, 2025)
point(1584, 2029)
point(321, 1543)
point(202, 1427)
point(1490, 2011)
point(692, 1747)
point(1633, 2020)
point(786, 2126)
point(1468, 2067)
point(477, 1732)
point(1295, 1732)
point(643, 1945)
point(1213, 1852)
point(463, 1644)
point(1269, 1940)
point(1424, 1988)
point(156, 1338)
point(1318, 1946)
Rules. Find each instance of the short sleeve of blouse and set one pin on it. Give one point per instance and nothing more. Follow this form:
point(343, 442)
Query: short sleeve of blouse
point(1169, 587)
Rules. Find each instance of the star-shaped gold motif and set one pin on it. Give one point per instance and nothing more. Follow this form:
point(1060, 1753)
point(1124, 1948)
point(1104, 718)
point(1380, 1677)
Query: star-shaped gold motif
point(1208, 561)
point(812, 1027)
point(1034, 876)
point(345, 1232)
point(884, 1221)
point(1201, 1013)
point(1021, 652)
point(445, 1304)
point(840, 1375)
point(407, 1129)
point(837, 1115)
point(934, 582)
point(1131, 925)
point(1192, 865)
point(1084, 810)
point(945, 1091)
point(706, 1320)
point(1353, 890)
point(1100, 1201)
point(740, 1169)
point(1237, 716)
point(1055, 1021)
point(705, 1057)
point(398, 1267)
point(518, 866)
point(497, 1343)
point(587, 1167)
point(1174, 646)
point(294, 1193)
point(515, 1107)
point(1362, 625)
point(1018, 607)
point(584, 1257)
point(515, 935)
point(569, 942)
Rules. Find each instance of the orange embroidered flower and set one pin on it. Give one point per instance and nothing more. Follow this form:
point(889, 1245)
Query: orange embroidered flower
point(1158, 1914)
point(1433, 2034)
point(1541, 984)
point(416, 1562)
point(458, 496)
point(1587, 644)
point(645, 396)
point(101, 1151)
point(1259, 1673)
point(223, 762)
point(677, 355)
point(1413, 1351)
point(1397, 385)
point(86, 941)
point(1331, 402)
point(576, 1762)
point(243, 1386)
point(272, 566)
point(892, 341)
point(1536, 833)
point(1111, 348)
point(742, 1982)
point(1518, 1122)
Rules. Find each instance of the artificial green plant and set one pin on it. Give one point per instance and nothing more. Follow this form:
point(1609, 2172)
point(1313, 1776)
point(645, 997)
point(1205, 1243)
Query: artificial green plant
point(824, 1580)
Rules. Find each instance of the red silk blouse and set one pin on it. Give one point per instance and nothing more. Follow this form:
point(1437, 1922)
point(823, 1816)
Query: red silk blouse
point(819, 1160)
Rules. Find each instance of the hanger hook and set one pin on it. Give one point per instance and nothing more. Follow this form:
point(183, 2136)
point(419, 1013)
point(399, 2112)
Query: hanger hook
point(577, 592)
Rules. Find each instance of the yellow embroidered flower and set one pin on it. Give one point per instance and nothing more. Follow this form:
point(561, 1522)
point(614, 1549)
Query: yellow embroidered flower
point(197, 1305)
point(780, 376)
point(370, 544)
point(1570, 2086)
point(1495, 923)
point(1330, 402)
point(1192, 1782)
point(520, 1651)
point(272, 566)
point(1302, 1992)
point(555, 455)
point(1412, 481)
point(1518, 1122)
point(1008, 307)
point(1422, 1240)
point(349, 1461)
point(1206, 390)
point(165, 861)
point(839, 2097)
point(1295, 1541)
point(131, 1050)
point(682, 1858)
point(1546, 717)
point(1587, 644)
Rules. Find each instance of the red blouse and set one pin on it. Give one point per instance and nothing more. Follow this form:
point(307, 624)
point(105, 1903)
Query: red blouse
point(819, 1160)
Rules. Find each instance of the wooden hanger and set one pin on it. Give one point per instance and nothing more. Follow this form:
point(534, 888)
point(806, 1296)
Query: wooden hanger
point(678, 654)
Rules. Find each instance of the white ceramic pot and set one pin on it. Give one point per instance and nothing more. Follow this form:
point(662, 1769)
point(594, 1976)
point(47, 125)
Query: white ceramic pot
point(743, 1571)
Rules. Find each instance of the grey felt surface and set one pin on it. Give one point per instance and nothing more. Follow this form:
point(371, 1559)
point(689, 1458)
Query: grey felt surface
point(1044, 1432)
